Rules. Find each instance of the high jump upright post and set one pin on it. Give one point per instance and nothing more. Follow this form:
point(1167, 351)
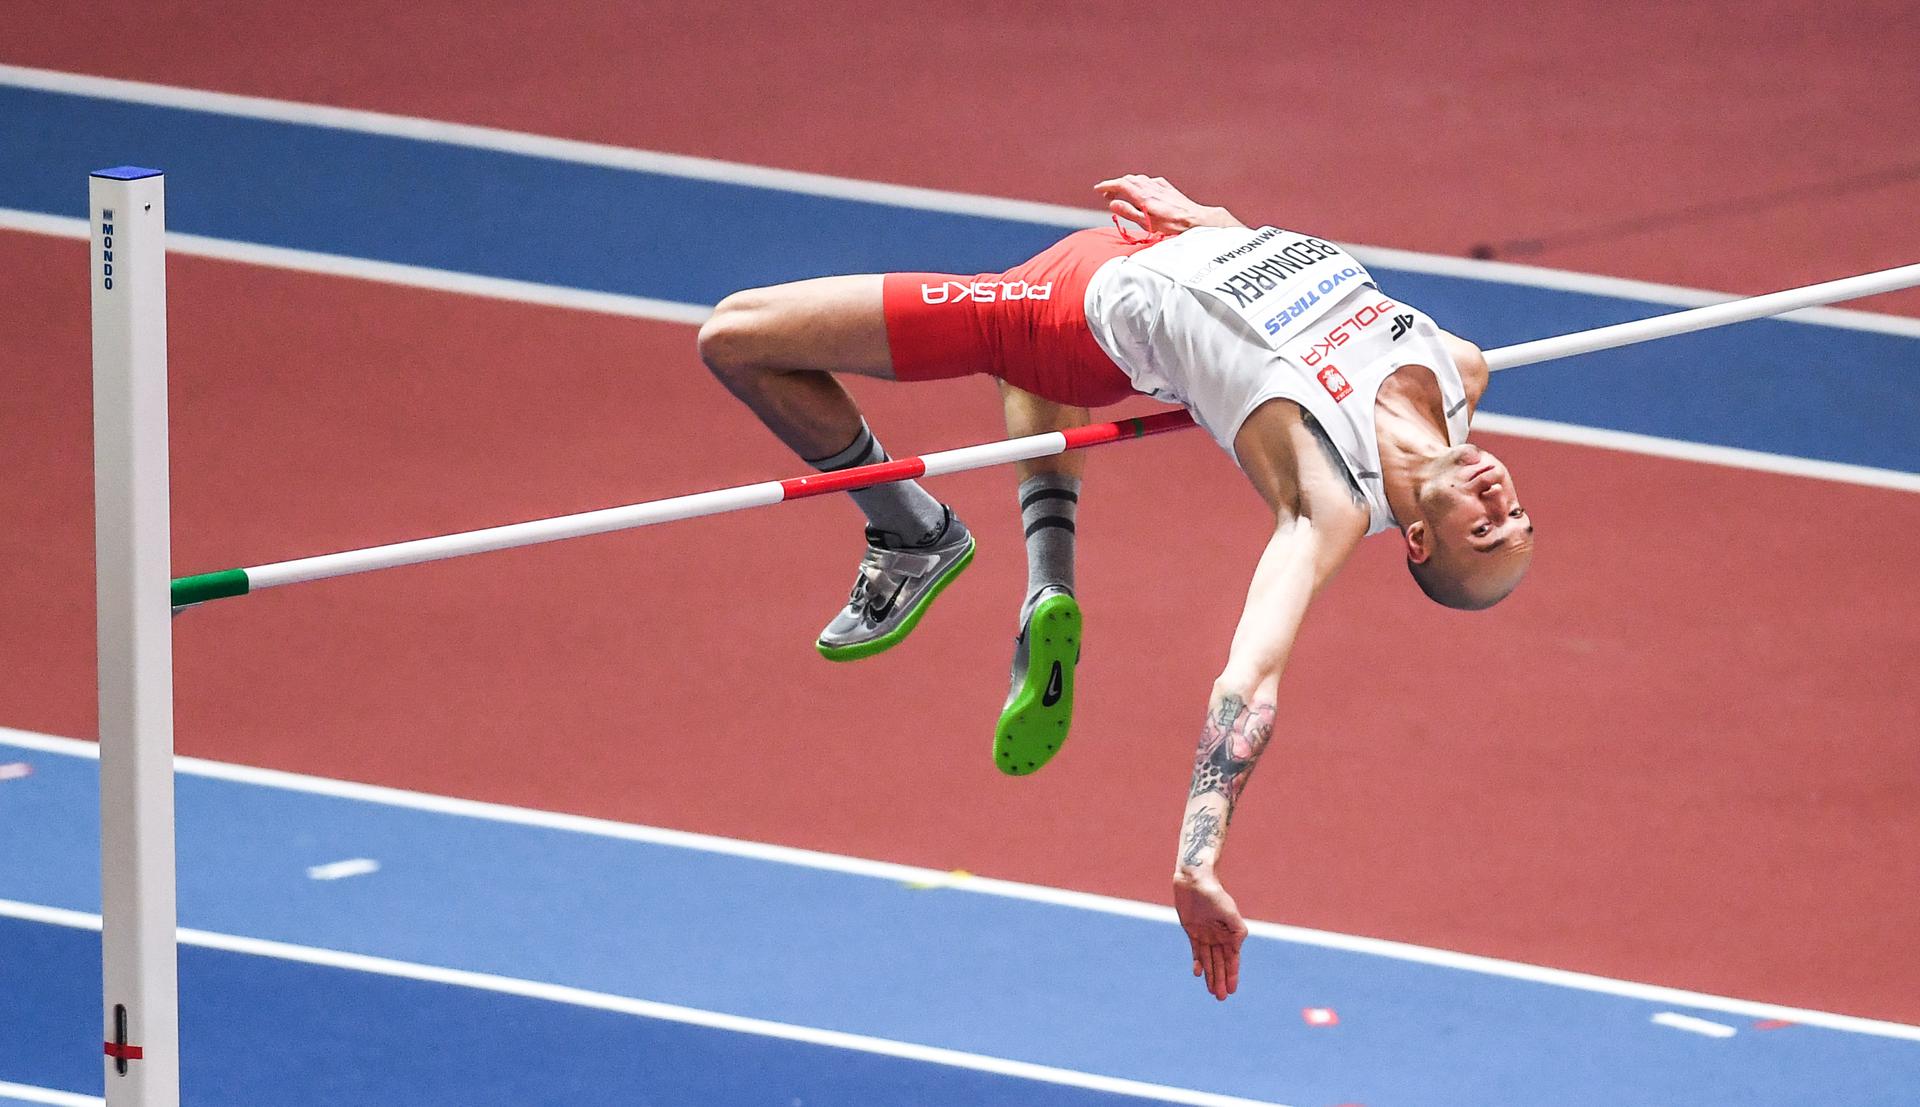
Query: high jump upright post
point(139, 955)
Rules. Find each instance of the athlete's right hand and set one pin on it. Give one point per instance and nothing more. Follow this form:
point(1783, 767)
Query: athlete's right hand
point(1158, 207)
point(1214, 928)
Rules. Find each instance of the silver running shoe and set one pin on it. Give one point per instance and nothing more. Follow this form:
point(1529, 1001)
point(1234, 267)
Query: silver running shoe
point(894, 588)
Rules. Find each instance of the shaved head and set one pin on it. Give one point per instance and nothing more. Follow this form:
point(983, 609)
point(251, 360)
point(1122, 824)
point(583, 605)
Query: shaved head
point(1459, 583)
point(1473, 540)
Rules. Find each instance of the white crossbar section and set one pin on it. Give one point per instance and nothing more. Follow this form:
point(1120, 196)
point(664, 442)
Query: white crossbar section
point(1704, 318)
point(995, 453)
point(516, 534)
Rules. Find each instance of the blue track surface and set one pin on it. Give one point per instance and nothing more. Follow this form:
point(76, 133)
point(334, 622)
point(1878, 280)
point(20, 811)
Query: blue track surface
point(1007, 978)
point(591, 227)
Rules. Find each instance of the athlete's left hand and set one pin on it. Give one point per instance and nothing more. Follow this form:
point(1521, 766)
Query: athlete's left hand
point(1158, 207)
point(1214, 928)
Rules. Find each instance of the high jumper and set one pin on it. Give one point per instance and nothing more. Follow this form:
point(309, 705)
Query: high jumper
point(1347, 409)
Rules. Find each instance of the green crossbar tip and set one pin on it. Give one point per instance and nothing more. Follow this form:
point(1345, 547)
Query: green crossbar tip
point(210, 586)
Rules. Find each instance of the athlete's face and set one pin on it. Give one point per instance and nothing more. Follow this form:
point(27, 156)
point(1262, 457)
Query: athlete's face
point(1474, 530)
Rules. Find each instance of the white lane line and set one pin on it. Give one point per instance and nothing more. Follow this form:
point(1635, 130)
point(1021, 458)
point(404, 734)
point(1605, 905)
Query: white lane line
point(385, 272)
point(979, 885)
point(667, 1012)
point(31, 1094)
point(1692, 1025)
point(641, 307)
point(1679, 449)
point(844, 188)
point(1592, 284)
point(556, 149)
point(340, 870)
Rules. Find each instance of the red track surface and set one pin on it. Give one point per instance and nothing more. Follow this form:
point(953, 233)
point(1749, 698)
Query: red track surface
point(1682, 753)
point(1469, 123)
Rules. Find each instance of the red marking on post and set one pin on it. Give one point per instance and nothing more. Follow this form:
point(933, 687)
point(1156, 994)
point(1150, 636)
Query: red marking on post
point(1771, 1024)
point(14, 770)
point(864, 476)
point(123, 1052)
point(1320, 1016)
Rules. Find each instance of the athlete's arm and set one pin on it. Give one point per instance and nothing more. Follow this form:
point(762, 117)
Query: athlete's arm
point(1158, 207)
point(1318, 521)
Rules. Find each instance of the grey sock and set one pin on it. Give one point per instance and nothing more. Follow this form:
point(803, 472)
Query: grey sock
point(1049, 503)
point(903, 510)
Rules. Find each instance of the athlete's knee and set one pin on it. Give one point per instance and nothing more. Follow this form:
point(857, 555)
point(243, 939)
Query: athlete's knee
point(734, 339)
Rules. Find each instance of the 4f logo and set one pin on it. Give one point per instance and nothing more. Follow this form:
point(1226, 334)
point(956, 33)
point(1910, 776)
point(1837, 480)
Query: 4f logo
point(1335, 383)
point(1401, 325)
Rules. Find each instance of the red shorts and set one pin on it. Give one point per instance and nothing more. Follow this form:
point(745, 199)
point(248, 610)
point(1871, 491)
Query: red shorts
point(1027, 326)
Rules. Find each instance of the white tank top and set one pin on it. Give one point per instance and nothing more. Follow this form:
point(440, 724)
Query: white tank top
point(1222, 320)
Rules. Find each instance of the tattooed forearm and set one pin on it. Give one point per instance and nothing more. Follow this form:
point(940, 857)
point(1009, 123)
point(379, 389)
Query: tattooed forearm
point(1230, 746)
point(1199, 836)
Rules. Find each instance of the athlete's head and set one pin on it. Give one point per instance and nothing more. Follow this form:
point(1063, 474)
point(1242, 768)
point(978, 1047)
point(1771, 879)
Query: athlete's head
point(1473, 540)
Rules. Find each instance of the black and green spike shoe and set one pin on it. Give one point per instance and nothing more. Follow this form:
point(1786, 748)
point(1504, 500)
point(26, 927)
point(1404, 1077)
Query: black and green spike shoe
point(1039, 711)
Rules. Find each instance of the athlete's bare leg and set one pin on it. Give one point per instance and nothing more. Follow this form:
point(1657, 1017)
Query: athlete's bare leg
point(778, 348)
point(1027, 414)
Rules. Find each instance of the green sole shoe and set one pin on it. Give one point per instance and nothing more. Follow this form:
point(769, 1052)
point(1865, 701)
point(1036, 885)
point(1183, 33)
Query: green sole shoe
point(1039, 711)
point(903, 622)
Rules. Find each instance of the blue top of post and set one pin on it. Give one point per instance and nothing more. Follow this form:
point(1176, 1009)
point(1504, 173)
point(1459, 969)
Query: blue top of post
point(126, 173)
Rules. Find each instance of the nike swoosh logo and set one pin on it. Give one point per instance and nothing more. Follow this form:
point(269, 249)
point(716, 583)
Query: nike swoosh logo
point(1052, 695)
point(878, 612)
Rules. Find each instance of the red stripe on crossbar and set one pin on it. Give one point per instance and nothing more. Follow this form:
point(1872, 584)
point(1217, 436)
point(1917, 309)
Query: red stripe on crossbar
point(1095, 434)
point(907, 468)
point(123, 1052)
point(863, 476)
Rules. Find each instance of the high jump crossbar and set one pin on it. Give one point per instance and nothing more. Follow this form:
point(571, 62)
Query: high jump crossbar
point(235, 582)
point(132, 534)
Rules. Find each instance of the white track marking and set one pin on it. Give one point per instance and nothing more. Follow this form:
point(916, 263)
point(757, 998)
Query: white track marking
point(385, 272)
point(32, 1094)
point(1692, 1025)
point(1733, 457)
point(887, 870)
point(640, 307)
point(1619, 288)
point(844, 188)
point(555, 149)
point(340, 870)
point(667, 1012)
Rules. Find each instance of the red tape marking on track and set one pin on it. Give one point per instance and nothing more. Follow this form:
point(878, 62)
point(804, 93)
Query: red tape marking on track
point(123, 1052)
